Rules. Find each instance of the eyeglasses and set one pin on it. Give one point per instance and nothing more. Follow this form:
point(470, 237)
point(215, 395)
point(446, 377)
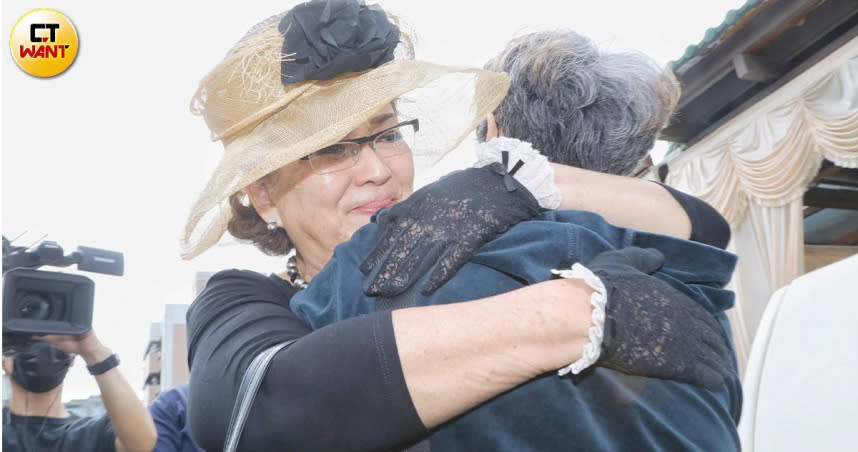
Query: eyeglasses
point(387, 143)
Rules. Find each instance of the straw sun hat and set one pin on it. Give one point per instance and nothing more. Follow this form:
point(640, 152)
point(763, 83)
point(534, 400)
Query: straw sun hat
point(303, 80)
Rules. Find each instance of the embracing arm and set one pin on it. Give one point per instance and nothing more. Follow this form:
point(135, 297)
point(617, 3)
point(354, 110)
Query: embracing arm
point(640, 204)
point(624, 201)
point(373, 382)
point(457, 356)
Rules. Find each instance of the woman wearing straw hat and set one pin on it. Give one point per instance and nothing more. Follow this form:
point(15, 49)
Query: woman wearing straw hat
point(297, 103)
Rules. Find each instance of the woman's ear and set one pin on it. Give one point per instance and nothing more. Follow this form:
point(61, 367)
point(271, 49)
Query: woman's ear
point(261, 199)
point(492, 129)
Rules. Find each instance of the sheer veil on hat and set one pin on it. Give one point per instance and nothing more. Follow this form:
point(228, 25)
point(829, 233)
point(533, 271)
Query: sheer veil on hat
point(265, 123)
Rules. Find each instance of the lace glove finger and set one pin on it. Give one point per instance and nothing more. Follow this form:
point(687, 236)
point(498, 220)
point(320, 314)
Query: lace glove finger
point(709, 371)
point(712, 334)
point(448, 264)
point(631, 260)
point(389, 230)
point(716, 362)
point(403, 265)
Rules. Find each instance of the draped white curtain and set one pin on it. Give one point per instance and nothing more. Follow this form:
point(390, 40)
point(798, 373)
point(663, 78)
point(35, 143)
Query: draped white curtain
point(755, 169)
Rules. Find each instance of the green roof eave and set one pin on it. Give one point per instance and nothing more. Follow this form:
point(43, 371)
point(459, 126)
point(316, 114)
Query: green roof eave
point(713, 35)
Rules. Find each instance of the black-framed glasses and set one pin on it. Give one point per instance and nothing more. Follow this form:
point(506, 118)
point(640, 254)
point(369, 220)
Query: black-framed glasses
point(391, 141)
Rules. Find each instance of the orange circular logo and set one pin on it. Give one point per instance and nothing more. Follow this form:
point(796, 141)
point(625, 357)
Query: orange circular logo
point(44, 42)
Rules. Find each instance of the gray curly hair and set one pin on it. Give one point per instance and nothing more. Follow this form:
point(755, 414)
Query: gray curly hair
point(581, 106)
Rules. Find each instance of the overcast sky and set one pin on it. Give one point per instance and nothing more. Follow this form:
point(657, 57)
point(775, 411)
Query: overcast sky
point(107, 155)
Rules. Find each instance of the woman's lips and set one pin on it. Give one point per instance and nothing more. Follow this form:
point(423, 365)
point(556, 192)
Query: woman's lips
point(372, 207)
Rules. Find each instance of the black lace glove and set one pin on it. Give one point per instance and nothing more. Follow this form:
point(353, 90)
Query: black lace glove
point(653, 329)
point(441, 225)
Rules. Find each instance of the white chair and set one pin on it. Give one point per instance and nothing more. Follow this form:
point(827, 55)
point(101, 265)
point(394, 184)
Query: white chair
point(801, 382)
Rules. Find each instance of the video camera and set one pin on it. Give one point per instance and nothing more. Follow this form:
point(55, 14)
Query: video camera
point(43, 302)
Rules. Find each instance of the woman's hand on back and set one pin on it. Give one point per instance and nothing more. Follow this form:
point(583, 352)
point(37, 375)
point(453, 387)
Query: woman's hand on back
point(441, 225)
point(654, 330)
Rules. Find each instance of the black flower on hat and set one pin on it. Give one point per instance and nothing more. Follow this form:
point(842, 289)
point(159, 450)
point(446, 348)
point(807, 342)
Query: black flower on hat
point(328, 38)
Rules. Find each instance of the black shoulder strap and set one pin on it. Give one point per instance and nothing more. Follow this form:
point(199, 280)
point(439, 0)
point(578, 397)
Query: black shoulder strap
point(247, 394)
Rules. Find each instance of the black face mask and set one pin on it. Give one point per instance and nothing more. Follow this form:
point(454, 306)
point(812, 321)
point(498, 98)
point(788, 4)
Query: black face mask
point(41, 367)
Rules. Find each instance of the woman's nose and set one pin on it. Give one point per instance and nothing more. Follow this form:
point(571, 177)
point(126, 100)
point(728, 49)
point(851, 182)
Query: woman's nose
point(371, 168)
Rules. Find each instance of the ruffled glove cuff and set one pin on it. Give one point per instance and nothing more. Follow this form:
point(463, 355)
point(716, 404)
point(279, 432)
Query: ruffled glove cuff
point(598, 300)
point(530, 168)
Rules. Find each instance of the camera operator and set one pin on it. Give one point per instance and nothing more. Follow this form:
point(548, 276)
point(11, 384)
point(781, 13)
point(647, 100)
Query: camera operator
point(36, 419)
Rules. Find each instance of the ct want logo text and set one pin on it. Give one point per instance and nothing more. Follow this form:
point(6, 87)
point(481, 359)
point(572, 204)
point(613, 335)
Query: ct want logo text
point(44, 42)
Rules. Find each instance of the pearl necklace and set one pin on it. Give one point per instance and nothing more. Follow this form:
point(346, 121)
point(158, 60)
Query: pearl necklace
point(294, 276)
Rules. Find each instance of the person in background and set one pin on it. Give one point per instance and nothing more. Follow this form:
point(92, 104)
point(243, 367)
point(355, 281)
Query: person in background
point(169, 411)
point(36, 419)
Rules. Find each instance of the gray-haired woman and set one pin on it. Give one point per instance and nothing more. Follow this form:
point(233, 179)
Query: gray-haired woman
point(299, 104)
point(585, 107)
